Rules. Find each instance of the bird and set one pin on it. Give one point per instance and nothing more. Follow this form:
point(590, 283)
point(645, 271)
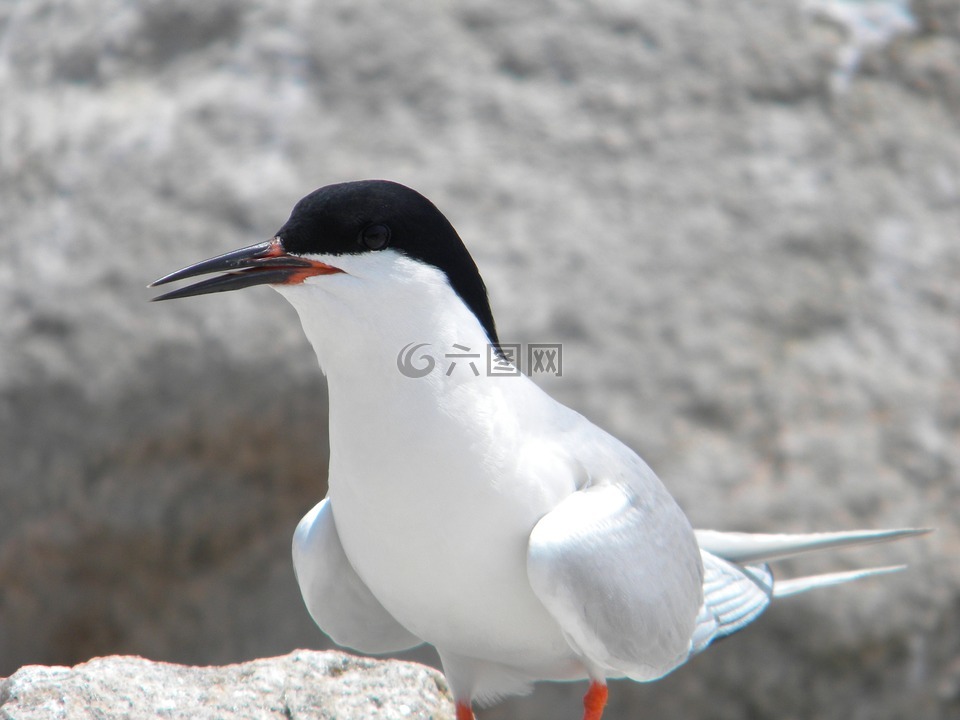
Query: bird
point(473, 512)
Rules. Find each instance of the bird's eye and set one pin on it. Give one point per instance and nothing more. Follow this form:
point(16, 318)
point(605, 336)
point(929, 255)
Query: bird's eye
point(375, 237)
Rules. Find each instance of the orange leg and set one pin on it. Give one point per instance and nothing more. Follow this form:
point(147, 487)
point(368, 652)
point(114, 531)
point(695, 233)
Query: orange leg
point(464, 711)
point(593, 701)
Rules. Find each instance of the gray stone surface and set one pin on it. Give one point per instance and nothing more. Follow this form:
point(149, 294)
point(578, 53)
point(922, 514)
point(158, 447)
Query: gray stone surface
point(754, 278)
point(304, 685)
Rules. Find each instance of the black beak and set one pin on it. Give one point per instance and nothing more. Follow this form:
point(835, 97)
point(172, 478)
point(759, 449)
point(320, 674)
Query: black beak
point(260, 264)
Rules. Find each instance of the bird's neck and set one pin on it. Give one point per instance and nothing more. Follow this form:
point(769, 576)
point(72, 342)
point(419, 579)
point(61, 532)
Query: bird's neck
point(422, 359)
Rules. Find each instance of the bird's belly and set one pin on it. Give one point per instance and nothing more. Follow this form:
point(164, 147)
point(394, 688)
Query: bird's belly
point(450, 564)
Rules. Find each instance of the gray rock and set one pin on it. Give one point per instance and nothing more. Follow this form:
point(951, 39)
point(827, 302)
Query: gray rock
point(301, 685)
point(753, 276)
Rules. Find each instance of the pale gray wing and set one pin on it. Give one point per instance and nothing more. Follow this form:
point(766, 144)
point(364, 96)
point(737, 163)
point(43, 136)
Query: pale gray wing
point(733, 597)
point(338, 600)
point(621, 574)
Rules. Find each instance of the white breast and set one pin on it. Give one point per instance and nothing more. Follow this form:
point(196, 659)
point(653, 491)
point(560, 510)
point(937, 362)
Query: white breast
point(435, 482)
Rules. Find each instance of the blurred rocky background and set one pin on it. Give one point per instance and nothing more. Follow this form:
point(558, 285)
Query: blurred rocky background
point(741, 219)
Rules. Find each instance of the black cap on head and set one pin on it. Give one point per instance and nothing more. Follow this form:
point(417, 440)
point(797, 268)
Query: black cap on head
point(372, 215)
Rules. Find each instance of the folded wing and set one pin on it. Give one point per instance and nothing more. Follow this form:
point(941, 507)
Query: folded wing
point(621, 575)
point(338, 600)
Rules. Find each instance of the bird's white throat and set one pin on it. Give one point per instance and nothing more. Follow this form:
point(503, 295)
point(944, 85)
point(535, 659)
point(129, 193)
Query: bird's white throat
point(359, 321)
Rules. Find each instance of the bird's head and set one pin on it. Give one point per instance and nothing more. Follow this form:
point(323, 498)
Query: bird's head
point(365, 239)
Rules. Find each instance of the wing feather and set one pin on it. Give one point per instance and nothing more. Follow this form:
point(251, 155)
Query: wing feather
point(621, 575)
point(338, 600)
point(733, 597)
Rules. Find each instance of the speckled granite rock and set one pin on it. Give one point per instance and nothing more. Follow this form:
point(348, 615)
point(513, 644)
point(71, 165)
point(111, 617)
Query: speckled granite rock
point(303, 685)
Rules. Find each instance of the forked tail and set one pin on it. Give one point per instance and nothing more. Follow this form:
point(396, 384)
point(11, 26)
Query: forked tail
point(738, 584)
